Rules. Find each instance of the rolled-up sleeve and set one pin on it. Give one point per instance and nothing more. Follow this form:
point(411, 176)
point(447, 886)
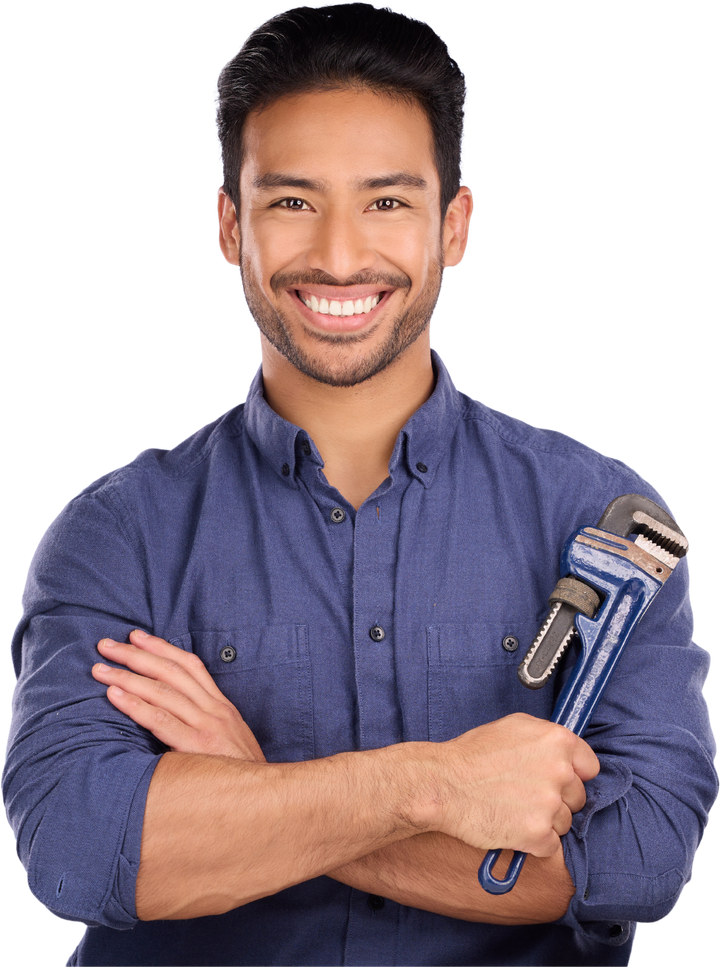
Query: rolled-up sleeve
point(630, 849)
point(77, 771)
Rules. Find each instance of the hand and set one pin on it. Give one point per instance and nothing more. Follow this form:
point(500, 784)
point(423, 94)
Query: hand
point(170, 692)
point(511, 784)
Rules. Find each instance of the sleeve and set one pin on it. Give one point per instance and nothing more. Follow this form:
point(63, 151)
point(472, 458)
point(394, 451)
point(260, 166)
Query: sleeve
point(630, 849)
point(77, 770)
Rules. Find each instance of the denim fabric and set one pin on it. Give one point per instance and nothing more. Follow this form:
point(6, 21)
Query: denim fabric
point(228, 546)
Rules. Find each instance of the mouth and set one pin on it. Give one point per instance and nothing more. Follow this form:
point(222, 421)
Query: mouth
point(335, 307)
point(349, 313)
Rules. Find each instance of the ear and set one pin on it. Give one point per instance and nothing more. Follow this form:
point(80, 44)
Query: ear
point(229, 230)
point(456, 226)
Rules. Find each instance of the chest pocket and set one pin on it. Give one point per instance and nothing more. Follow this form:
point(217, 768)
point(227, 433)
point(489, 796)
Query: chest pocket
point(266, 674)
point(472, 680)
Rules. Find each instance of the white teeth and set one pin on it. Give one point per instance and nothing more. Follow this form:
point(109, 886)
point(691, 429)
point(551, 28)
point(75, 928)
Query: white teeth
point(337, 308)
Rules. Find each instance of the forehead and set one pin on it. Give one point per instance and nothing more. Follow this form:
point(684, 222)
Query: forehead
point(340, 135)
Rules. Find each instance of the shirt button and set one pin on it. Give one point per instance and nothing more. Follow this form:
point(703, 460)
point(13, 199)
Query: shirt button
point(306, 448)
point(286, 470)
point(377, 633)
point(228, 653)
point(375, 902)
point(421, 467)
point(337, 515)
point(510, 643)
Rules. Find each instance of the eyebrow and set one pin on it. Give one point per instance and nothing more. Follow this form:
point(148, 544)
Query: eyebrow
point(398, 179)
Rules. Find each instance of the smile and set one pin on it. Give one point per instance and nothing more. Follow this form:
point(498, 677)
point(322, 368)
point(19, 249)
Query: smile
point(334, 307)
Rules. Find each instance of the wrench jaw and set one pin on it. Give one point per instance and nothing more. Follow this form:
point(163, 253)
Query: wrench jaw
point(665, 544)
point(649, 536)
point(550, 644)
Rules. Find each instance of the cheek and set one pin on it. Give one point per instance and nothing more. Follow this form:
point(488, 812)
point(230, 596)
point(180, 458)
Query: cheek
point(272, 246)
point(415, 251)
point(256, 253)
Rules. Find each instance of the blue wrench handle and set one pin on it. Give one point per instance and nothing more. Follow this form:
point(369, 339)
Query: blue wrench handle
point(606, 562)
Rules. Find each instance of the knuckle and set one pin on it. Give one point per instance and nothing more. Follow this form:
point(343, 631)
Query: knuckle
point(209, 742)
point(163, 688)
point(169, 665)
point(548, 803)
point(565, 738)
point(192, 660)
point(228, 714)
point(563, 772)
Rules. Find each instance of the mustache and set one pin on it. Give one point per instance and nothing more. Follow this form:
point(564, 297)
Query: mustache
point(293, 280)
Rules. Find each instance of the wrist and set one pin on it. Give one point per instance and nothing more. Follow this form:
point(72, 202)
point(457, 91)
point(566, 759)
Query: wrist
point(416, 775)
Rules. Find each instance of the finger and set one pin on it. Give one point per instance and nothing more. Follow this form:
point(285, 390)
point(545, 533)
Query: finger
point(176, 721)
point(156, 693)
point(163, 725)
point(563, 820)
point(163, 669)
point(546, 845)
point(186, 659)
point(219, 726)
point(573, 794)
point(585, 763)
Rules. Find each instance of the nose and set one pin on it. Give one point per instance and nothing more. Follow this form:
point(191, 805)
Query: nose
point(340, 244)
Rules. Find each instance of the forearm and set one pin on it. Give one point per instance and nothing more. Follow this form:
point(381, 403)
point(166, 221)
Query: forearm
point(222, 827)
point(435, 872)
point(220, 832)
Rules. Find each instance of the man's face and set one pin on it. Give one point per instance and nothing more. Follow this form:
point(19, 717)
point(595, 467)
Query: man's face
point(340, 241)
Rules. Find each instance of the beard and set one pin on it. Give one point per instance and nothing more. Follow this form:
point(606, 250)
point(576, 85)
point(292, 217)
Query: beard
point(340, 360)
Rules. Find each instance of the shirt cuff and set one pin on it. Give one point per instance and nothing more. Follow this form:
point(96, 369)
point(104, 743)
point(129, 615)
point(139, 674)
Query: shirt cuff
point(590, 908)
point(120, 910)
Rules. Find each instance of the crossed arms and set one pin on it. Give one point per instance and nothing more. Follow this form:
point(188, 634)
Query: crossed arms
point(411, 822)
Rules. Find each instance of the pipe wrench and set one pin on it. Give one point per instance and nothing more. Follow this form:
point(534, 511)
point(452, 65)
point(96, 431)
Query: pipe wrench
point(611, 574)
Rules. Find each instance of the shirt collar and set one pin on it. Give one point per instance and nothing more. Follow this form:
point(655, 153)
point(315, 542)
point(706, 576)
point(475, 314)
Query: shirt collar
point(419, 447)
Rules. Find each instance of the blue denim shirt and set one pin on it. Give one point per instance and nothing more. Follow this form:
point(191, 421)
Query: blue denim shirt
point(233, 545)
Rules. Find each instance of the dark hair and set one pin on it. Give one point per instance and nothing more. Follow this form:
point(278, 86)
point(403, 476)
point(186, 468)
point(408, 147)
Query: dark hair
point(351, 44)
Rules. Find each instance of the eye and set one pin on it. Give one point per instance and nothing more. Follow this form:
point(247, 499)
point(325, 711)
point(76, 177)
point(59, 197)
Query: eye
point(385, 205)
point(292, 204)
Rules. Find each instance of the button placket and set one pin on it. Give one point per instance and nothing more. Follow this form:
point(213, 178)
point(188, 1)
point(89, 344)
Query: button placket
point(374, 574)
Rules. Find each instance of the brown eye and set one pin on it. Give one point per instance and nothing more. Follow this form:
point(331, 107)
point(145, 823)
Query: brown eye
point(385, 204)
point(293, 204)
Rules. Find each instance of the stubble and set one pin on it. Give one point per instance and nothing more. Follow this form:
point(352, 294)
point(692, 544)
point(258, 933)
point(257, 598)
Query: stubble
point(339, 359)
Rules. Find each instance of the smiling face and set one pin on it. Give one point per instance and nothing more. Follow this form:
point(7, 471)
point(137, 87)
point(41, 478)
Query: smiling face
point(340, 240)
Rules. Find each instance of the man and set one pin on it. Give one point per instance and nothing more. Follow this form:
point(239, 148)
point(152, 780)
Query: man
point(351, 556)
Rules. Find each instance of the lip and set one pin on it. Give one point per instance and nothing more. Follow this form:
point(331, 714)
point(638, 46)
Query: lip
point(340, 324)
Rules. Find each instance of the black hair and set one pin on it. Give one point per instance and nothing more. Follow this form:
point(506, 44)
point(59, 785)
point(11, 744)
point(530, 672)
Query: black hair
point(355, 45)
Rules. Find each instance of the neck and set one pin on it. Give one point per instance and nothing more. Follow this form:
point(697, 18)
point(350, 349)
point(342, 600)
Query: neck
point(354, 427)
